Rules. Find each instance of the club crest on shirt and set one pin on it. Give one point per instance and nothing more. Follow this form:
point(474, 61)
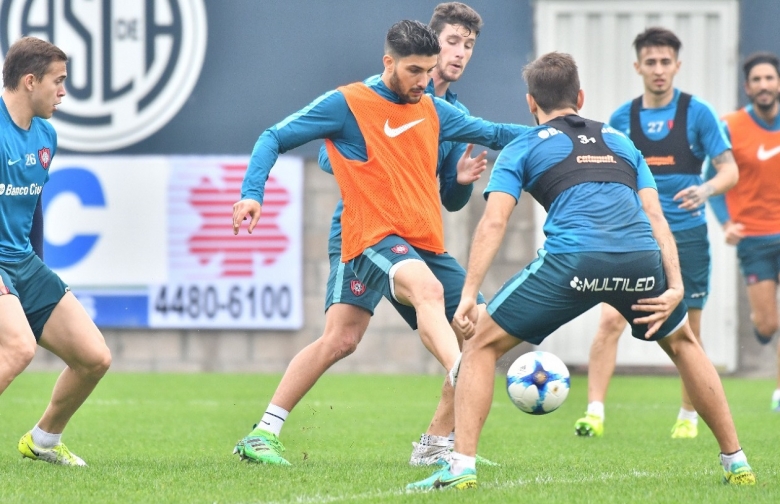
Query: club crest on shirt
point(44, 157)
point(399, 249)
point(357, 287)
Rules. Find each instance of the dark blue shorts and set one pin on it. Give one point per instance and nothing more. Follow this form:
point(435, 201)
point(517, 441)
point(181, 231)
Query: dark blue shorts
point(38, 288)
point(693, 249)
point(759, 259)
point(556, 288)
point(376, 265)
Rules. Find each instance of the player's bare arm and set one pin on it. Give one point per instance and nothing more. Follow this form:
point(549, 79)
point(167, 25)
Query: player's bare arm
point(726, 178)
point(243, 209)
point(487, 240)
point(471, 168)
point(659, 308)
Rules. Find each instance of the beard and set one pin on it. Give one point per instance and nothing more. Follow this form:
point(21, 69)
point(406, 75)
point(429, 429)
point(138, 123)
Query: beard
point(442, 72)
point(763, 107)
point(403, 96)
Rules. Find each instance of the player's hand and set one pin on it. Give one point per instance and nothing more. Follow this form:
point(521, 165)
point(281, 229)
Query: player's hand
point(659, 309)
point(243, 209)
point(695, 196)
point(470, 168)
point(733, 232)
point(465, 320)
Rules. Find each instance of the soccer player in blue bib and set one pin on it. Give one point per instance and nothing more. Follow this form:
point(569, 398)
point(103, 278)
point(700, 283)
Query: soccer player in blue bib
point(35, 305)
point(607, 241)
point(675, 132)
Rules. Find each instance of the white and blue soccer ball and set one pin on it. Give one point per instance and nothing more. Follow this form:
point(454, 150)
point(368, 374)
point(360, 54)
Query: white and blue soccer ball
point(538, 382)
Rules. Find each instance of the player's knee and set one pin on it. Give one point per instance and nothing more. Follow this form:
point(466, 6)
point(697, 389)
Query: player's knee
point(19, 348)
point(342, 341)
point(98, 363)
point(610, 327)
point(679, 342)
point(766, 327)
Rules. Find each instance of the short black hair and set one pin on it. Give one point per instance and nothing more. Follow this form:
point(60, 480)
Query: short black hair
point(656, 36)
point(456, 13)
point(406, 38)
point(758, 58)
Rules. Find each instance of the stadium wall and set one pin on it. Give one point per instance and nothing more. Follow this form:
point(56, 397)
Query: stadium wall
point(234, 69)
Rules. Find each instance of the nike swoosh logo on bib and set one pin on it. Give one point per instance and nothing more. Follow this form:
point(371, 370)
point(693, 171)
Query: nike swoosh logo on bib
point(394, 132)
point(763, 155)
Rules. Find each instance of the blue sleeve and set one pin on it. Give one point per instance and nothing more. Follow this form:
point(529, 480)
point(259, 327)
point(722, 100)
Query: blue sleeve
point(454, 196)
point(709, 130)
point(507, 173)
point(324, 161)
point(322, 118)
point(458, 126)
point(621, 118)
point(36, 233)
point(718, 201)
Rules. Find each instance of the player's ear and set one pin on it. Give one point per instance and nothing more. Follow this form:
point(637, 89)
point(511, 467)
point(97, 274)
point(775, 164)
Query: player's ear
point(532, 106)
point(389, 63)
point(580, 99)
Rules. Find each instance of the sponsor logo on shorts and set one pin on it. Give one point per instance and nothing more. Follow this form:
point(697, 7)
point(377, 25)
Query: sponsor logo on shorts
point(699, 295)
point(44, 157)
point(613, 284)
point(357, 287)
point(399, 249)
point(751, 279)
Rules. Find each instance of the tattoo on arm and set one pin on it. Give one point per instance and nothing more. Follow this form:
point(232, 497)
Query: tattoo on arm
point(723, 158)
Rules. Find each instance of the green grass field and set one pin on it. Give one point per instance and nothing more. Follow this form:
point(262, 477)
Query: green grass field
point(168, 438)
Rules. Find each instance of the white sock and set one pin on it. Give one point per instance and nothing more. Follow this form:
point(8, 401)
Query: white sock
point(596, 408)
point(451, 440)
point(776, 395)
point(684, 414)
point(44, 439)
point(727, 460)
point(462, 462)
point(273, 419)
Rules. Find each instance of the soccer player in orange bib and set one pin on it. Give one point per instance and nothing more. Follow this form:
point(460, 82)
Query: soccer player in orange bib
point(383, 142)
point(750, 212)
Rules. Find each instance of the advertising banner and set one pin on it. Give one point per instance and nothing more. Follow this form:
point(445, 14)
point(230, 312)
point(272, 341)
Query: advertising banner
point(147, 241)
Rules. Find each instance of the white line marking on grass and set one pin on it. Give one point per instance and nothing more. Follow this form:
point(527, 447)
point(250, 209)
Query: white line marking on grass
point(497, 485)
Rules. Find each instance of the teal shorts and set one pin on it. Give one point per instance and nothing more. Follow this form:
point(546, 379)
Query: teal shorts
point(38, 288)
point(759, 258)
point(375, 265)
point(693, 249)
point(556, 288)
point(343, 286)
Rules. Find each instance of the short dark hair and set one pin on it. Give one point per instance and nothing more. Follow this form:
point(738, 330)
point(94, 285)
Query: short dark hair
point(655, 36)
point(456, 13)
point(553, 81)
point(407, 37)
point(29, 55)
point(758, 58)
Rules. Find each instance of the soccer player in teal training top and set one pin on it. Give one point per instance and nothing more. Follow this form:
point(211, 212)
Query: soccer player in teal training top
point(604, 223)
point(675, 132)
point(35, 305)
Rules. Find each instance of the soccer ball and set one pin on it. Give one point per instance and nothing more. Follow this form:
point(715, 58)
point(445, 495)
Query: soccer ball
point(538, 382)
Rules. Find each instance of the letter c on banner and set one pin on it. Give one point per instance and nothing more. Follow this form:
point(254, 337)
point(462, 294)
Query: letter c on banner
point(82, 183)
